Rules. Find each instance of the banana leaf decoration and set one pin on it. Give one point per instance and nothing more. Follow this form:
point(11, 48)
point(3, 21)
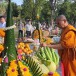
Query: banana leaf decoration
point(33, 66)
point(9, 43)
point(10, 38)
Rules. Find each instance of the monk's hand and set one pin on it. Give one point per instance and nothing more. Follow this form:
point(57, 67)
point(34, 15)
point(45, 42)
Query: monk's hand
point(43, 44)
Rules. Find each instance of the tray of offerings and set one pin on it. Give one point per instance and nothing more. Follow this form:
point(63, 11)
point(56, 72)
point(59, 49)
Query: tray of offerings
point(28, 40)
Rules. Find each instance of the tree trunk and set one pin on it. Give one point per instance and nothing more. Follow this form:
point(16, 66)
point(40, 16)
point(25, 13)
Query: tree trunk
point(53, 7)
point(52, 18)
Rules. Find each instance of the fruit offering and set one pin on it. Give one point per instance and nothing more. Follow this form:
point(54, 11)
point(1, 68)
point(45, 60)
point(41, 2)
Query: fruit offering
point(47, 40)
point(24, 48)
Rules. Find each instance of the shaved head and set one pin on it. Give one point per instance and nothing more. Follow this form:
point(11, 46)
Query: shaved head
point(61, 17)
point(61, 21)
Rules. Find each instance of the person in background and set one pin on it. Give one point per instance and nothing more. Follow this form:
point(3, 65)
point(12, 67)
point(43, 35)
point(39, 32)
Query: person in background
point(20, 32)
point(2, 22)
point(66, 47)
point(24, 30)
point(50, 29)
point(40, 26)
point(44, 25)
point(29, 28)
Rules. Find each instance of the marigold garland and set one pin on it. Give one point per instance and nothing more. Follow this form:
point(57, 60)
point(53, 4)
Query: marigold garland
point(2, 33)
point(1, 48)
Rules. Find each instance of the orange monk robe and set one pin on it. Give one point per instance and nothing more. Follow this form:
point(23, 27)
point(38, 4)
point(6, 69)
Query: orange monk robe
point(67, 54)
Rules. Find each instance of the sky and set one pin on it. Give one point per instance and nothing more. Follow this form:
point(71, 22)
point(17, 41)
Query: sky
point(18, 2)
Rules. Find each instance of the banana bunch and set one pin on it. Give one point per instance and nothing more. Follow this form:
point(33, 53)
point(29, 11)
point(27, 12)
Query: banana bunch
point(45, 53)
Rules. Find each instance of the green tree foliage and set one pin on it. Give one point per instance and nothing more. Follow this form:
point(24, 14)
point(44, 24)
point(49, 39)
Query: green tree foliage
point(39, 5)
point(32, 8)
point(3, 7)
point(46, 12)
point(65, 9)
point(68, 8)
point(15, 10)
point(73, 13)
point(27, 8)
point(43, 9)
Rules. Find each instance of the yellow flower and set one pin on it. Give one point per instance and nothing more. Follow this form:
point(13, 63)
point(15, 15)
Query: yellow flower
point(56, 74)
point(49, 40)
point(24, 69)
point(13, 64)
point(20, 64)
point(12, 71)
point(45, 75)
point(23, 57)
point(27, 74)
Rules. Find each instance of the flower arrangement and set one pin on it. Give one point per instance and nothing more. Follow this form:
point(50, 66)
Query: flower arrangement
point(13, 69)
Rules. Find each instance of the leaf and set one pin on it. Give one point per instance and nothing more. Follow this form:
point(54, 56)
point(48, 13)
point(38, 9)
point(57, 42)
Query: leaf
point(33, 66)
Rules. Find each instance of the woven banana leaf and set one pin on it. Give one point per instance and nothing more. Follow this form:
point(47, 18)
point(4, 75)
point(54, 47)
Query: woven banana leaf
point(33, 66)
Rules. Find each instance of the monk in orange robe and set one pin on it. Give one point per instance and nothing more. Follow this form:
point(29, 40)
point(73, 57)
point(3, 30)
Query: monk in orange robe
point(66, 46)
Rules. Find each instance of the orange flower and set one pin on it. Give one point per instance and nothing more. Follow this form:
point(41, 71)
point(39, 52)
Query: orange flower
point(1, 48)
point(0, 60)
point(2, 33)
point(56, 74)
